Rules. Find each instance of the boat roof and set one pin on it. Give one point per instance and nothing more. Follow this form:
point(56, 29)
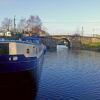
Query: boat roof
point(17, 41)
point(34, 39)
point(26, 40)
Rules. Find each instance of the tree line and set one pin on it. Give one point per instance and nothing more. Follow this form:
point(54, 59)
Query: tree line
point(31, 25)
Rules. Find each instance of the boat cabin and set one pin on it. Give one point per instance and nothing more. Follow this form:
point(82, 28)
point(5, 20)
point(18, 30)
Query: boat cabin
point(18, 48)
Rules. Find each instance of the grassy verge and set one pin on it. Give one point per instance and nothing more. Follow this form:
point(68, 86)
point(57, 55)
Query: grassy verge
point(92, 45)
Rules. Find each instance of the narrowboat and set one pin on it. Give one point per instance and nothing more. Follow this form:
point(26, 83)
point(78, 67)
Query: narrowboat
point(20, 67)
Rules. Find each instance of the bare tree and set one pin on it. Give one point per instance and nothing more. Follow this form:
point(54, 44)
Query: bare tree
point(22, 25)
point(7, 24)
point(34, 24)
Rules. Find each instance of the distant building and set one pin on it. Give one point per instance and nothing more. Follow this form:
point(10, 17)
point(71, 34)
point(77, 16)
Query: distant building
point(8, 33)
point(43, 33)
point(2, 33)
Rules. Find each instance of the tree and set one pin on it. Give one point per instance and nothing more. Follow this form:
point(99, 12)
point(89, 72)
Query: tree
point(7, 24)
point(22, 25)
point(34, 24)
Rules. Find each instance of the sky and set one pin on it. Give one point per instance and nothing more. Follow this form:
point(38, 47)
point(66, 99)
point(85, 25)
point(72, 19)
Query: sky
point(58, 16)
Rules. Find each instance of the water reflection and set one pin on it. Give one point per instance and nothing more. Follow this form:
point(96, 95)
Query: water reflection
point(70, 75)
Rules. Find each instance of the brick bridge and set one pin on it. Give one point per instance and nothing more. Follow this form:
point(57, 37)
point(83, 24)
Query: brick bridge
point(72, 41)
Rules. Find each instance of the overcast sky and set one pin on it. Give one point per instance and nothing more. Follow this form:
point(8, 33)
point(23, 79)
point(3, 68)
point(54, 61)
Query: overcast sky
point(58, 16)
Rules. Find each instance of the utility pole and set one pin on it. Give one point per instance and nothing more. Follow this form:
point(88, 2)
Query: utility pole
point(14, 24)
point(82, 31)
point(81, 37)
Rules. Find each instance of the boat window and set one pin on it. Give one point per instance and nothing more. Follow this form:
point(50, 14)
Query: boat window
point(28, 51)
point(4, 48)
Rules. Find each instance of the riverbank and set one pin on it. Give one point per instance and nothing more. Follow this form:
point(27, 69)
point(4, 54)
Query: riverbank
point(91, 47)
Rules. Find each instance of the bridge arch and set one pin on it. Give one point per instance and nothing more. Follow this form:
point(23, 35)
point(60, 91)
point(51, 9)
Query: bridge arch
point(65, 41)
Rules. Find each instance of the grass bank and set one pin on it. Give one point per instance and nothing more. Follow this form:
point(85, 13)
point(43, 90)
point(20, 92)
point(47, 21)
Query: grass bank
point(92, 46)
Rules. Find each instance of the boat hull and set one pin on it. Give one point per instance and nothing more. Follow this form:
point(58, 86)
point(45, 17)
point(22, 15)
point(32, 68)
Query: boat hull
point(19, 79)
point(21, 64)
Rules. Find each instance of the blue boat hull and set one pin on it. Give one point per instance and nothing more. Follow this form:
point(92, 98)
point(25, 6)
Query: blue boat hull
point(19, 79)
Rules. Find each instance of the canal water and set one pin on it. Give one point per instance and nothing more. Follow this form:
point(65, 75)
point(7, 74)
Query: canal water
point(70, 75)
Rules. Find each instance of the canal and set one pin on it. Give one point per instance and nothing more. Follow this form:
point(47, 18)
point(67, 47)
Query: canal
point(70, 75)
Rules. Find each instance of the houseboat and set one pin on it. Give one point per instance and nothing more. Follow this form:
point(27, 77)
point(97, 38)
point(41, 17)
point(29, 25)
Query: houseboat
point(20, 67)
